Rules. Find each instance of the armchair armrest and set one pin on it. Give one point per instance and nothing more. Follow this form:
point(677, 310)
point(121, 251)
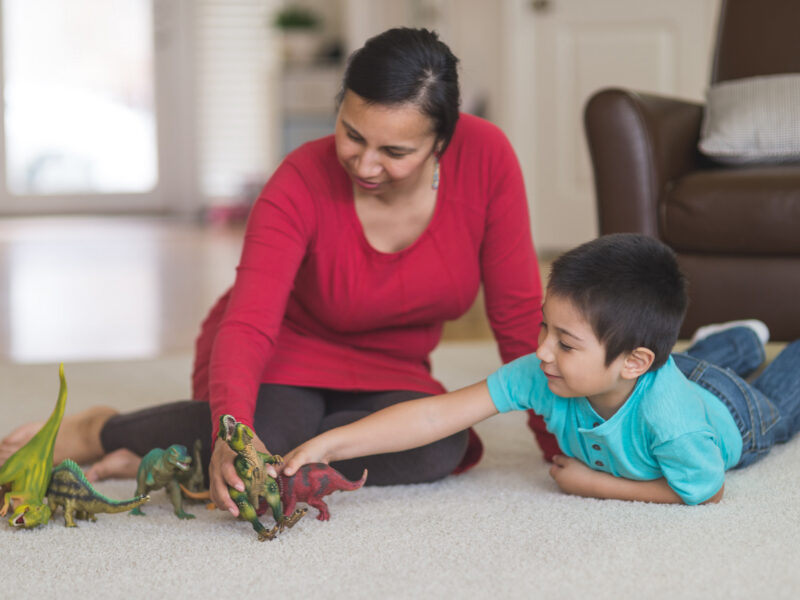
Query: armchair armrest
point(638, 144)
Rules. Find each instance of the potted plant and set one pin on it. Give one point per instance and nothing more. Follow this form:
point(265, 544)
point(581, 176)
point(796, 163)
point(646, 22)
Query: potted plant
point(299, 27)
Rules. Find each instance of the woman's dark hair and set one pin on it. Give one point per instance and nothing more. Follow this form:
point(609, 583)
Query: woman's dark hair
point(629, 288)
point(408, 66)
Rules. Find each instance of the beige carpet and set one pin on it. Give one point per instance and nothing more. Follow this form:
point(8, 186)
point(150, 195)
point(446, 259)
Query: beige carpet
point(502, 530)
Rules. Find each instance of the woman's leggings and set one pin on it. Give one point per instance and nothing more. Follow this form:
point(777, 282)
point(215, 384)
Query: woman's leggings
point(285, 417)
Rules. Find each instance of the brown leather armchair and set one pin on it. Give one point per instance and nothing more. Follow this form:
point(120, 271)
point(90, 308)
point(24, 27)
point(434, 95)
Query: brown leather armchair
point(736, 230)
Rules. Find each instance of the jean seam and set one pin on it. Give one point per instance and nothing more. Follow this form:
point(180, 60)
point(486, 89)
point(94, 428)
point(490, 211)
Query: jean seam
point(752, 406)
point(749, 438)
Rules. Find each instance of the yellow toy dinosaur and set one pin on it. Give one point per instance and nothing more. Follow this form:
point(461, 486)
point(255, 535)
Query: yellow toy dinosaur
point(26, 474)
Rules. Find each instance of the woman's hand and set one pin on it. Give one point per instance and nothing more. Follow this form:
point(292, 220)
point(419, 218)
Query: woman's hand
point(222, 474)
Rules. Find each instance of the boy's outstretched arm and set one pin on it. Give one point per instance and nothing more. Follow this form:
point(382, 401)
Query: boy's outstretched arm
point(574, 477)
point(400, 427)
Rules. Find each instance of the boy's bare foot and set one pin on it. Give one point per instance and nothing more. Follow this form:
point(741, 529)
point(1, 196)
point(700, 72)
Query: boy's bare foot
point(78, 437)
point(122, 464)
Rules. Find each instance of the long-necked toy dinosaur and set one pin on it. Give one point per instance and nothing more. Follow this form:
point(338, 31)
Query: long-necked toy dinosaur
point(25, 475)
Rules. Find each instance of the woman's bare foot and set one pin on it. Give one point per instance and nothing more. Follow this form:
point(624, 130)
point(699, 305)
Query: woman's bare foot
point(122, 464)
point(78, 437)
point(17, 439)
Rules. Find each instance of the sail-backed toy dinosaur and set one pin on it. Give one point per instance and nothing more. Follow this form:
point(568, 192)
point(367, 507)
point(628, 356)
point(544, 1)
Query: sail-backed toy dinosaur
point(24, 477)
point(70, 489)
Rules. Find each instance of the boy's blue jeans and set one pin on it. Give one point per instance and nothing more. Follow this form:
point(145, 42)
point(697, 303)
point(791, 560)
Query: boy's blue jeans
point(767, 411)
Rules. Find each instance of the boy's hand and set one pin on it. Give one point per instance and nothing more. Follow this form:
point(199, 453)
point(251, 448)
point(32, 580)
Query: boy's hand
point(574, 477)
point(313, 451)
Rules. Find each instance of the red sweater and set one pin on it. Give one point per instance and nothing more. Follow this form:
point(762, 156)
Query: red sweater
point(313, 304)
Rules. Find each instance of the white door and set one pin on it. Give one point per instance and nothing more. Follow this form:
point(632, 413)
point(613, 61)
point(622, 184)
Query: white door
point(92, 120)
point(559, 53)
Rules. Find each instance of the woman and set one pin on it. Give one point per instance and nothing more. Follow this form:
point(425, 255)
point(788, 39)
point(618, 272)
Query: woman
point(358, 249)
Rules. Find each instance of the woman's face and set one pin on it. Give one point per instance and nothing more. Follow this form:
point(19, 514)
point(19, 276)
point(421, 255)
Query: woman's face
point(384, 149)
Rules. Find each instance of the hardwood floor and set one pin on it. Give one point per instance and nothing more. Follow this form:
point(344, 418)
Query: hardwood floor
point(115, 288)
point(96, 288)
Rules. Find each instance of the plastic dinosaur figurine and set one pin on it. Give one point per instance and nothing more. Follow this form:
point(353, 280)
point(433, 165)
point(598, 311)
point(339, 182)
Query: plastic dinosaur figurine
point(192, 479)
point(310, 483)
point(249, 465)
point(162, 469)
point(70, 489)
point(25, 475)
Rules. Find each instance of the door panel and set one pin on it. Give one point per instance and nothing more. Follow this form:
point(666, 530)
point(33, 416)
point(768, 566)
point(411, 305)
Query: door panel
point(576, 47)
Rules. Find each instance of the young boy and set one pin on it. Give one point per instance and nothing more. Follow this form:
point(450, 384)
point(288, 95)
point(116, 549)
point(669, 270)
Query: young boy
point(634, 422)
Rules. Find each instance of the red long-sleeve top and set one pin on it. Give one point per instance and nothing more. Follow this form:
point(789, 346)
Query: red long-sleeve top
point(313, 304)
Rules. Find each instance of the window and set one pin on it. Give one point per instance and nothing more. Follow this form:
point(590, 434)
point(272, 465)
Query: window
point(79, 97)
point(92, 117)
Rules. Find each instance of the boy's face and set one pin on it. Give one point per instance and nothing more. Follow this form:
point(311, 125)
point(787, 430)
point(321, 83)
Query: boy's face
point(574, 360)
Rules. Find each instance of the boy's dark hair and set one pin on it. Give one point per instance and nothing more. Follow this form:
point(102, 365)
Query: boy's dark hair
point(405, 65)
point(629, 288)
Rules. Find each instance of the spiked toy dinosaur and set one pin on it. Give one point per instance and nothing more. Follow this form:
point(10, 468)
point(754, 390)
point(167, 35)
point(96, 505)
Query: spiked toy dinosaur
point(70, 489)
point(249, 465)
point(25, 475)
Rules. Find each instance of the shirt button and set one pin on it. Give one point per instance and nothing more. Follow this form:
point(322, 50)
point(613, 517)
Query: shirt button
point(599, 463)
point(595, 424)
point(595, 446)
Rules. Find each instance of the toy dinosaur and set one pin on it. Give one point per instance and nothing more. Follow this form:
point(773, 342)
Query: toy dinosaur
point(192, 479)
point(310, 483)
point(70, 489)
point(161, 469)
point(25, 475)
point(249, 465)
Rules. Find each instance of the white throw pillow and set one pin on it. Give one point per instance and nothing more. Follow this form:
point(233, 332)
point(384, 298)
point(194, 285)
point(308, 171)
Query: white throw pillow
point(753, 120)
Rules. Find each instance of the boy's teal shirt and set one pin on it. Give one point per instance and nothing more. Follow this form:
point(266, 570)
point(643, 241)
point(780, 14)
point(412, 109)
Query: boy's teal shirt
point(669, 427)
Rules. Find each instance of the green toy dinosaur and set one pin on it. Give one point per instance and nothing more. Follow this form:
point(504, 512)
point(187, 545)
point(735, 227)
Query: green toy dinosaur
point(25, 475)
point(70, 489)
point(161, 469)
point(249, 465)
point(192, 479)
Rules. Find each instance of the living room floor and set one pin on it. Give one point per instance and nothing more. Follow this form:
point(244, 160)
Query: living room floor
point(88, 288)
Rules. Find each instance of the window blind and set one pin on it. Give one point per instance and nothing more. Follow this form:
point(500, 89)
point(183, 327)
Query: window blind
point(237, 66)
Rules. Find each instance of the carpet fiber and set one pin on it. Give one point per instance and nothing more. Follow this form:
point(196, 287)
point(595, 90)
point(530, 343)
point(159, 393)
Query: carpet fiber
point(502, 530)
